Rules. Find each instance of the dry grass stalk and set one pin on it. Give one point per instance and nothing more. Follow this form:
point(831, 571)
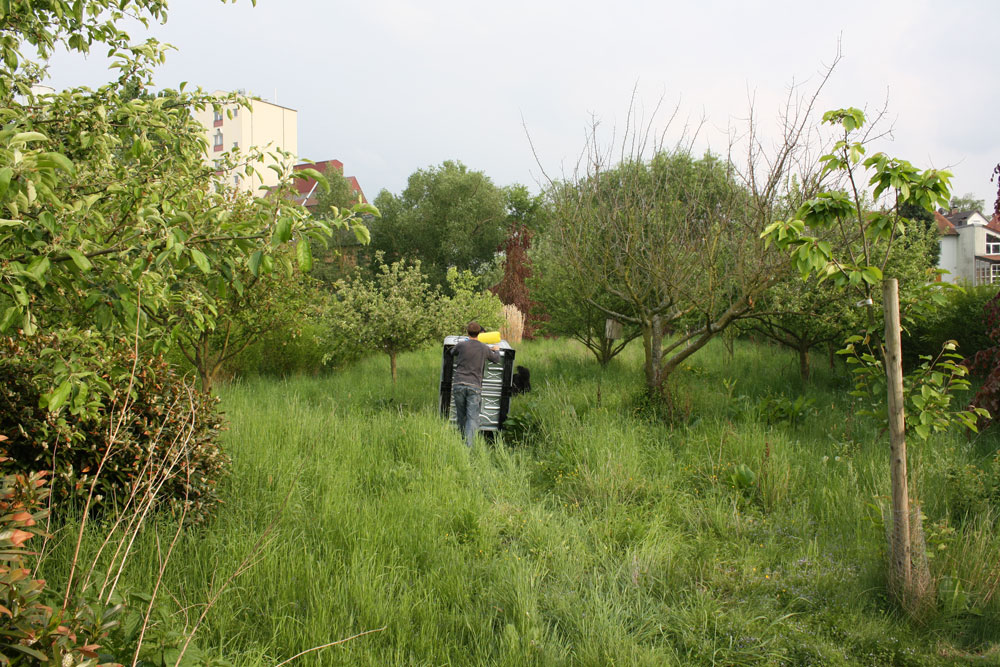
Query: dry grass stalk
point(339, 641)
point(513, 327)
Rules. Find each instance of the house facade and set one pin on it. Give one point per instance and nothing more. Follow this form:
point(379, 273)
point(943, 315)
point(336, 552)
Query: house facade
point(970, 247)
point(344, 244)
point(308, 190)
point(263, 125)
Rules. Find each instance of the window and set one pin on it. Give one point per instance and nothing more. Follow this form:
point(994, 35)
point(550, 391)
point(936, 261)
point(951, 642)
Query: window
point(236, 180)
point(987, 273)
point(236, 145)
point(992, 245)
point(218, 140)
point(217, 118)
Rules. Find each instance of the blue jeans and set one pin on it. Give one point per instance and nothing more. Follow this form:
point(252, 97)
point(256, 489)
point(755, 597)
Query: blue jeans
point(467, 402)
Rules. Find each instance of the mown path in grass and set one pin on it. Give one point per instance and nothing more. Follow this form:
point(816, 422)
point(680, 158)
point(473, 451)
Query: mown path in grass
point(602, 536)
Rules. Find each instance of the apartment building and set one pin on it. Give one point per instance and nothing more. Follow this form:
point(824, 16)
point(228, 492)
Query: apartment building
point(264, 125)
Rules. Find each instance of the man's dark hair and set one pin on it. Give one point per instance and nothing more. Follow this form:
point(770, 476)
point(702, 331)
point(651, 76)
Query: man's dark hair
point(474, 329)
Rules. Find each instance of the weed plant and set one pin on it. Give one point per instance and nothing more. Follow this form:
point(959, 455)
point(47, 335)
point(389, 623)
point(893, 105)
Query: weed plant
point(745, 529)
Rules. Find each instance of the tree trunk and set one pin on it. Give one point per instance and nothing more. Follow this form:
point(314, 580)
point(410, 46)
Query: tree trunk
point(207, 377)
point(900, 541)
point(652, 340)
point(804, 361)
point(392, 365)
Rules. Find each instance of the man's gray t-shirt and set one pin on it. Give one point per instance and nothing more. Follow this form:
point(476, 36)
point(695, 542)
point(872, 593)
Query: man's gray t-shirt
point(470, 357)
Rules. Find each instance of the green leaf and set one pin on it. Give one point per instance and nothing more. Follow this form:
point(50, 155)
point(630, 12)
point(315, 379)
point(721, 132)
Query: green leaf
point(5, 175)
point(58, 397)
point(366, 209)
point(313, 175)
point(362, 234)
point(9, 316)
point(28, 324)
point(80, 260)
point(38, 269)
point(38, 655)
point(303, 253)
point(282, 231)
point(200, 260)
point(255, 262)
point(60, 161)
point(25, 137)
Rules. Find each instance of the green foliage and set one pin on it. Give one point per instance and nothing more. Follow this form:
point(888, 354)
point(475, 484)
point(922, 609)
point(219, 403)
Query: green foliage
point(467, 301)
point(111, 222)
point(334, 260)
point(960, 318)
point(743, 477)
point(446, 216)
point(568, 306)
point(672, 238)
point(803, 316)
point(161, 640)
point(396, 309)
point(155, 430)
point(968, 202)
point(859, 265)
point(270, 304)
point(321, 335)
point(929, 390)
point(33, 629)
point(784, 410)
point(339, 195)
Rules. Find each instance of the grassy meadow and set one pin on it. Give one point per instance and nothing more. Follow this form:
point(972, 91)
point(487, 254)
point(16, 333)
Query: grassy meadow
point(746, 530)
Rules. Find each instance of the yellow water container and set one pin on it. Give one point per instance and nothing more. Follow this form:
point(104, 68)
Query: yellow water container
point(489, 337)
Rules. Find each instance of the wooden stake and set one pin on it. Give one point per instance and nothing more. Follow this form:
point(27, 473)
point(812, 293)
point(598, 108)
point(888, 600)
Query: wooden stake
point(897, 433)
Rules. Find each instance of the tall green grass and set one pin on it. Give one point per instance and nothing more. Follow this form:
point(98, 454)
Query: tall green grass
point(596, 533)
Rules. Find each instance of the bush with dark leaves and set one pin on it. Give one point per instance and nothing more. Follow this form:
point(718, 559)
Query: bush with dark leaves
point(153, 434)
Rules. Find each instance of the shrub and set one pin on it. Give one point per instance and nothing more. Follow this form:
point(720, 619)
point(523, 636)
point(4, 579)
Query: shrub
point(961, 319)
point(468, 302)
point(32, 631)
point(156, 433)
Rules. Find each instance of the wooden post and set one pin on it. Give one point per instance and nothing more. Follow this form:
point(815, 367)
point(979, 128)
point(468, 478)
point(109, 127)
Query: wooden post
point(900, 546)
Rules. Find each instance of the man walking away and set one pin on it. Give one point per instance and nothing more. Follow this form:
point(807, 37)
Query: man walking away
point(467, 381)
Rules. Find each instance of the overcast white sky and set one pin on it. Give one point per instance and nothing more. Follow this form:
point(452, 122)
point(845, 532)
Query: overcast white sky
point(391, 86)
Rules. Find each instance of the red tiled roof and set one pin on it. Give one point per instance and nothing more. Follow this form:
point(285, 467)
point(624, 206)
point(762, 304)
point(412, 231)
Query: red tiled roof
point(994, 224)
point(307, 194)
point(353, 180)
point(304, 186)
point(944, 225)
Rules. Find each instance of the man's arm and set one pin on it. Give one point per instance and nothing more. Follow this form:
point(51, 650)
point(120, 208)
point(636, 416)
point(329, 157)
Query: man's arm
point(493, 353)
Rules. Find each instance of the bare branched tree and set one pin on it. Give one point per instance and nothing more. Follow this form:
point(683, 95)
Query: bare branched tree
point(675, 238)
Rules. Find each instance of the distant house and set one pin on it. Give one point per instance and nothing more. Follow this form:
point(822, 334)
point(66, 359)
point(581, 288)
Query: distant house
point(308, 190)
point(970, 247)
point(344, 246)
